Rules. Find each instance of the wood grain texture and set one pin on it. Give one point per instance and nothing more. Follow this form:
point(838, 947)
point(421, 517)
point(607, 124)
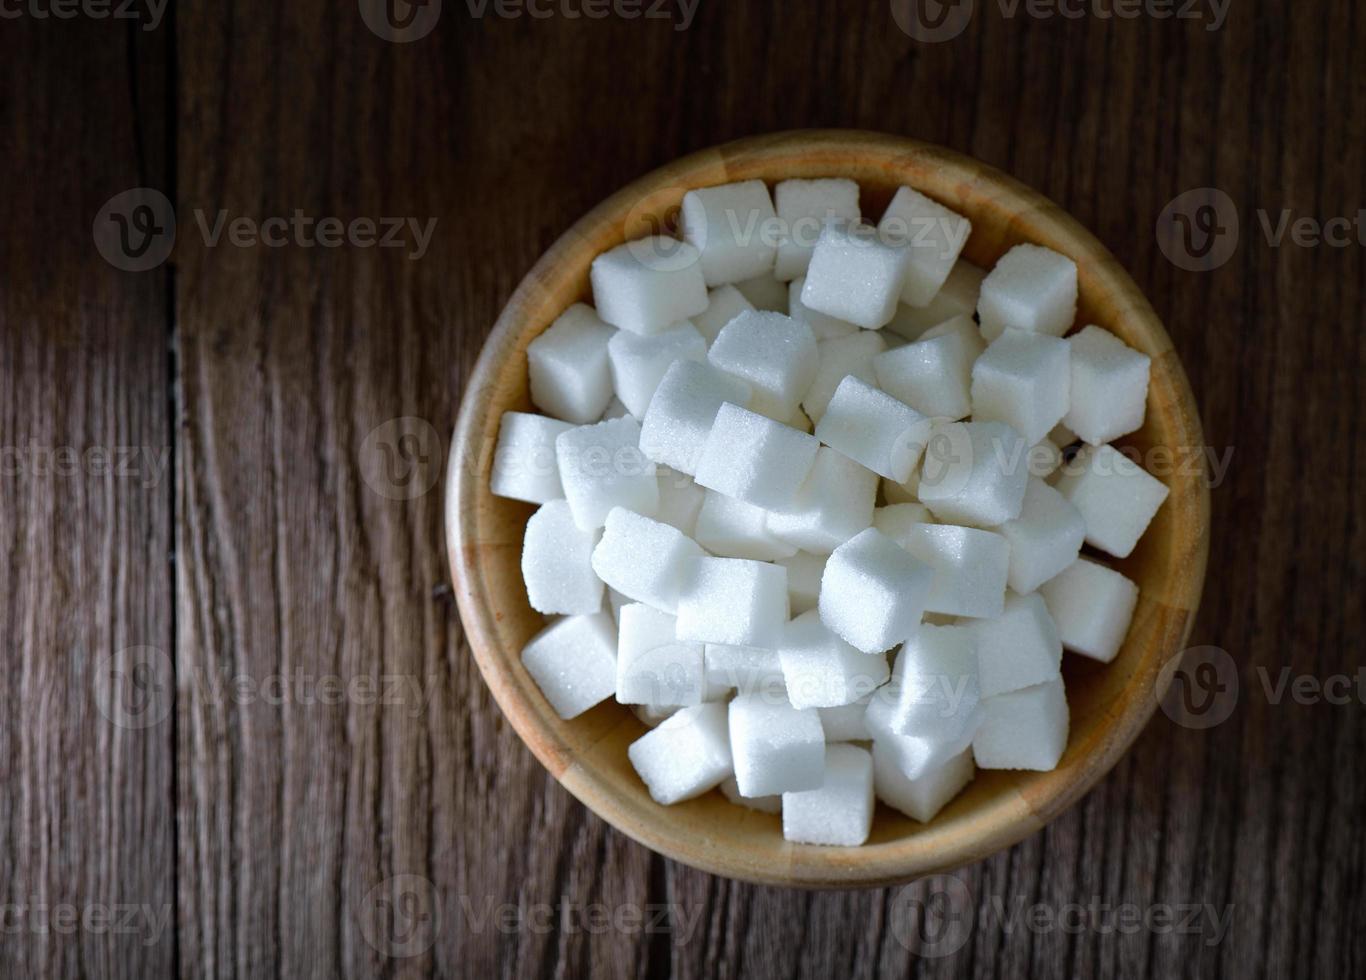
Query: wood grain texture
point(288, 814)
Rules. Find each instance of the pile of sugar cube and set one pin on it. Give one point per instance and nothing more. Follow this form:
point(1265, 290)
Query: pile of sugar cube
point(812, 499)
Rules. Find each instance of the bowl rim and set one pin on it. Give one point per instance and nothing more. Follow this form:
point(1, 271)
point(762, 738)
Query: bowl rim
point(1008, 820)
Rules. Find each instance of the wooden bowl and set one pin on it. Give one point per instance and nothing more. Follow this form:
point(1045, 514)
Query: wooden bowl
point(1109, 702)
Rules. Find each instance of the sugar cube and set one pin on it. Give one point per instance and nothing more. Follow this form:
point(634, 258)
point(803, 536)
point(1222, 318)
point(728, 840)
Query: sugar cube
point(1024, 729)
point(840, 811)
point(1031, 287)
point(601, 467)
point(731, 528)
point(557, 563)
point(730, 789)
point(686, 755)
point(838, 358)
point(917, 755)
point(805, 207)
point(644, 559)
point(680, 500)
point(755, 459)
point(934, 688)
point(681, 412)
point(1022, 379)
point(653, 666)
point(733, 601)
point(749, 670)
point(1109, 391)
point(896, 520)
point(957, 297)
point(854, 275)
point(925, 795)
point(1019, 648)
point(934, 374)
point(574, 662)
point(822, 671)
point(974, 473)
point(1044, 539)
point(567, 366)
point(772, 353)
point(804, 571)
point(524, 466)
point(970, 568)
point(873, 428)
point(873, 591)
point(834, 503)
point(734, 229)
point(765, 293)
point(935, 235)
point(824, 327)
point(1117, 497)
point(640, 363)
point(724, 304)
point(777, 748)
point(648, 284)
point(1092, 606)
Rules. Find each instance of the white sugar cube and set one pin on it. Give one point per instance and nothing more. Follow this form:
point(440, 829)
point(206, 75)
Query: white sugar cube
point(957, 297)
point(765, 293)
point(648, 284)
point(568, 369)
point(1019, 648)
point(934, 688)
point(755, 459)
point(804, 571)
point(749, 670)
point(680, 500)
point(822, 671)
point(772, 353)
point(845, 722)
point(970, 568)
point(854, 275)
point(935, 235)
point(640, 363)
point(974, 473)
point(686, 755)
point(644, 558)
point(730, 789)
point(838, 358)
point(601, 467)
point(731, 528)
point(574, 662)
point(918, 755)
point(681, 412)
point(1109, 391)
point(1022, 379)
point(896, 520)
point(524, 464)
point(777, 748)
point(804, 208)
point(734, 228)
point(1117, 497)
point(557, 563)
point(1025, 729)
point(924, 796)
point(653, 666)
point(733, 601)
point(724, 304)
point(1092, 606)
point(1044, 539)
point(822, 326)
point(1031, 287)
point(840, 812)
point(934, 374)
point(834, 503)
point(873, 592)
point(873, 428)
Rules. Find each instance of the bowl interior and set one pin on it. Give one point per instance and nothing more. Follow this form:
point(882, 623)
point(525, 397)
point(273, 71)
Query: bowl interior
point(1109, 703)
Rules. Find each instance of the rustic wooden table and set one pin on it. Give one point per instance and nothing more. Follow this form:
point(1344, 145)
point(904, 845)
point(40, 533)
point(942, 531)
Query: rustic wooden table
point(244, 736)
